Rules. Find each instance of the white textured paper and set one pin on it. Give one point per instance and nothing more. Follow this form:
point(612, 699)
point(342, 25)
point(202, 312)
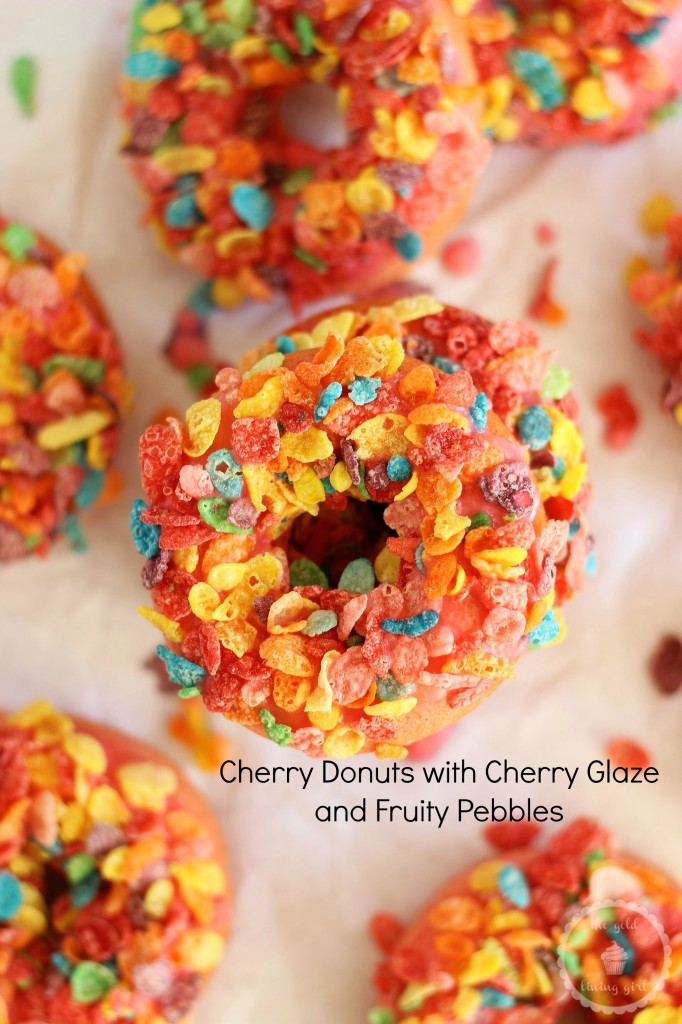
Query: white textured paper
point(304, 890)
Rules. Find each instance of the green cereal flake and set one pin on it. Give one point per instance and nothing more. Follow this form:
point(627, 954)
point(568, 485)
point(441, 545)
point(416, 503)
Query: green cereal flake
point(23, 76)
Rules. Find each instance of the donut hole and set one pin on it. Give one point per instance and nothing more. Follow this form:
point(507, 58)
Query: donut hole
point(310, 113)
point(334, 538)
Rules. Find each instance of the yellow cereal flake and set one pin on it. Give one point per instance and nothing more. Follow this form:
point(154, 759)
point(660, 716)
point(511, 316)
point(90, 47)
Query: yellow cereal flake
point(500, 563)
point(147, 785)
point(590, 99)
point(204, 876)
point(320, 700)
point(339, 324)
point(409, 488)
point(265, 402)
point(201, 426)
point(32, 715)
point(343, 742)
point(310, 446)
point(72, 429)
point(656, 213)
point(466, 1003)
point(179, 160)
point(158, 898)
point(369, 194)
point(160, 18)
point(238, 637)
point(203, 600)
point(86, 751)
point(381, 437)
point(172, 631)
point(390, 751)
point(391, 708)
point(289, 613)
point(186, 558)
point(386, 566)
point(309, 490)
point(340, 478)
point(199, 949)
point(226, 576)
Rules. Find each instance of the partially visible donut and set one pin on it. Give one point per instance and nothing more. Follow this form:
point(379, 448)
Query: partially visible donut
point(238, 199)
point(562, 72)
point(510, 940)
point(114, 899)
point(62, 395)
point(658, 292)
point(344, 626)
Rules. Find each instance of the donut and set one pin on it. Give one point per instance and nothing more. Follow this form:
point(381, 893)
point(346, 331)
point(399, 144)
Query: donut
point(62, 395)
point(521, 934)
point(235, 196)
point(658, 293)
point(554, 73)
point(114, 898)
point(346, 546)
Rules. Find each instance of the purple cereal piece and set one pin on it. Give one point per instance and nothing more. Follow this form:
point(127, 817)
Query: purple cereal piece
point(155, 569)
point(351, 461)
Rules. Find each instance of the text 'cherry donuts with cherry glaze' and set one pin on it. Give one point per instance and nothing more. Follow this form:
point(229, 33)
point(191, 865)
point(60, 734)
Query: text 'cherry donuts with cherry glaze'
point(521, 934)
point(347, 548)
point(558, 73)
point(114, 897)
point(237, 198)
point(62, 395)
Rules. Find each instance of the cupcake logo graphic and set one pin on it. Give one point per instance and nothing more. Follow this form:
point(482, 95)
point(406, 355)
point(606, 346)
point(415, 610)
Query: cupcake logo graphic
point(614, 959)
point(613, 956)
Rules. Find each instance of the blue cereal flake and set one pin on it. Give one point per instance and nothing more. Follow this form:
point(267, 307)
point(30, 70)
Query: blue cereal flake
point(479, 411)
point(446, 365)
point(390, 689)
point(544, 633)
point(358, 577)
point(591, 564)
point(534, 427)
point(85, 891)
point(408, 246)
point(180, 671)
point(513, 885)
point(539, 74)
point(363, 390)
point(320, 622)
point(225, 473)
point(398, 469)
point(91, 488)
point(253, 206)
point(417, 624)
point(147, 65)
point(573, 528)
point(615, 932)
point(284, 344)
point(326, 400)
point(74, 534)
point(493, 997)
point(650, 35)
point(182, 212)
point(145, 535)
point(419, 558)
point(10, 896)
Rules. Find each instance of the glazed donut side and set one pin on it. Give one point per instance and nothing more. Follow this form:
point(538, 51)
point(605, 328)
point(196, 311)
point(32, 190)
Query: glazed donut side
point(242, 202)
point(346, 549)
point(487, 947)
point(112, 927)
point(62, 418)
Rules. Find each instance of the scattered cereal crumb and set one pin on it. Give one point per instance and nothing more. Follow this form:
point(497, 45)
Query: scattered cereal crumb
point(620, 414)
point(545, 234)
point(665, 665)
point(23, 76)
point(542, 306)
point(462, 257)
point(656, 213)
point(626, 753)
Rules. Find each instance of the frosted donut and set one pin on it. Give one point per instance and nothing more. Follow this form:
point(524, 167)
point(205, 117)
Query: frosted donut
point(114, 899)
point(514, 938)
point(657, 290)
point(62, 395)
point(233, 195)
point(347, 550)
point(558, 73)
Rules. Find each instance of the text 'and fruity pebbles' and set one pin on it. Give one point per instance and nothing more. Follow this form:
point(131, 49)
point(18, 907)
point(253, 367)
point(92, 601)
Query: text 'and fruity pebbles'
point(114, 899)
point(350, 544)
point(62, 395)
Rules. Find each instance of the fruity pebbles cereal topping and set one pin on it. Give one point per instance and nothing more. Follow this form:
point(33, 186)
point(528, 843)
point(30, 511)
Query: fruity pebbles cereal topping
point(512, 937)
point(559, 72)
point(112, 904)
point(346, 548)
point(241, 201)
point(658, 292)
point(62, 395)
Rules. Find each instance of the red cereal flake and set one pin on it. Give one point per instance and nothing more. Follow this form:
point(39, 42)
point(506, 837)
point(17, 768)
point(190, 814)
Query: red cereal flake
point(511, 835)
point(385, 930)
point(627, 753)
point(255, 441)
point(461, 257)
point(620, 415)
point(542, 306)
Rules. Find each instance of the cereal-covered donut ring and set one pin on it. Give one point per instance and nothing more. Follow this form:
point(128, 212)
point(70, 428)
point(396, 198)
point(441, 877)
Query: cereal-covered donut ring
point(556, 73)
point(241, 201)
point(114, 901)
point(658, 291)
point(62, 395)
point(346, 547)
point(513, 938)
